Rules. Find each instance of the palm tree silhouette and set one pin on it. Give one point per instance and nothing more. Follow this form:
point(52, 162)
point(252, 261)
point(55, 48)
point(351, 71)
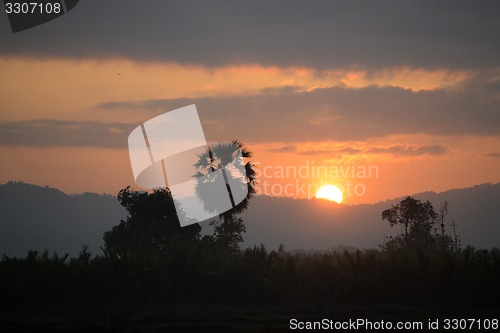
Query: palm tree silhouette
point(239, 177)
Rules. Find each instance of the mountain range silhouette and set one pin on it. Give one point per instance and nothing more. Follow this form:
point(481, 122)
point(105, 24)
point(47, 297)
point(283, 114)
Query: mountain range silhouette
point(43, 218)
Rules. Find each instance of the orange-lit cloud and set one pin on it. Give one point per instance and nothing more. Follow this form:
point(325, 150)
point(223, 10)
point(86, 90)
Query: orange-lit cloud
point(65, 89)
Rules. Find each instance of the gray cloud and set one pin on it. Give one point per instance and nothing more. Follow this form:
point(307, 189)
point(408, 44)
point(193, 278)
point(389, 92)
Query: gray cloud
point(395, 150)
point(326, 34)
point(65, 133)
point(494, 155)
point(340, 113)
point(284, 149)
point(409, 150)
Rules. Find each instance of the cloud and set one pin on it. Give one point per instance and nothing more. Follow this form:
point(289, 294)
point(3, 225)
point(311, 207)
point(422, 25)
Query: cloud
point(283, 149)
point(494, 155)
point(341, 113)
point(397, 150)
point(327, 34)
point(47, 133)
point(409, 150)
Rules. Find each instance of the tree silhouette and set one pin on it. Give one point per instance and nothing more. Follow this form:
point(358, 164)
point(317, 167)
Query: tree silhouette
point(417, 219)
point(446, 242)
point(423, 227)
point(151, 224)
point(237, 173)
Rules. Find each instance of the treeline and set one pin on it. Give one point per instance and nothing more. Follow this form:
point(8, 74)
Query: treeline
point(205, 275)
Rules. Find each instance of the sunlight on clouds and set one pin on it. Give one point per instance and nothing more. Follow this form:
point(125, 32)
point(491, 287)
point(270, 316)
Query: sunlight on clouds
point(71, 89)
point(407, 78)
point(393, 148)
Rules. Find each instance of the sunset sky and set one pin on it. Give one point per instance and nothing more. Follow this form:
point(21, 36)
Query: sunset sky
point(384, 98)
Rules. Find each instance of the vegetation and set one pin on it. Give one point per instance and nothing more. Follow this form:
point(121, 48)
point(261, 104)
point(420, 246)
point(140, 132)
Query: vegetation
point(152, 225)
point(201, 275)
point(231, 158)
point(424, 229)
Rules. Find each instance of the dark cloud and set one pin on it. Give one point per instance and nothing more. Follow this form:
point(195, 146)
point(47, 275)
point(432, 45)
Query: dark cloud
point(409, 150)
point(283, 149)
point(395, 150)
point(64, 133)
point(340, 113)
point(494, 155)
point(336, 153)
point(320, 34)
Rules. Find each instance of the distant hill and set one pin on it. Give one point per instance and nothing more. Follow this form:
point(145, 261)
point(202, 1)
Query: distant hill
point(38, 218)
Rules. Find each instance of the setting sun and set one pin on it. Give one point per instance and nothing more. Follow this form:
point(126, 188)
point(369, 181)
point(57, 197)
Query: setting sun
point(330, 192)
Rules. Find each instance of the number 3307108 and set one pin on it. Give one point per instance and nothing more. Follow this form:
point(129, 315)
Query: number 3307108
point(32, 8)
